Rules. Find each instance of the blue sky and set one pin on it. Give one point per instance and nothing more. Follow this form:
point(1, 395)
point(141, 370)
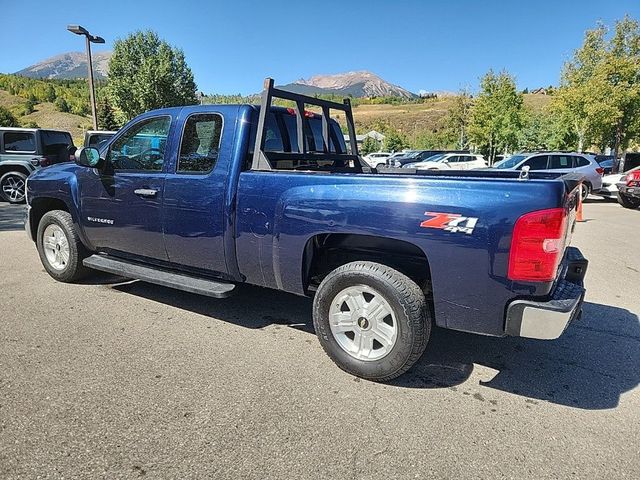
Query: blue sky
point(232, 45)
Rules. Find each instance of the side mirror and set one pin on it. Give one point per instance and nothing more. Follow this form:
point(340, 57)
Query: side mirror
point(88, 157)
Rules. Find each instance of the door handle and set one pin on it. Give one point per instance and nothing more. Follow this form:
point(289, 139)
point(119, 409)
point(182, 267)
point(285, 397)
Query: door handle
point(145, 192)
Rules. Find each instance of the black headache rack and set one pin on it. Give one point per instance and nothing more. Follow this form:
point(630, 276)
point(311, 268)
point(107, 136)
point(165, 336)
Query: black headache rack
point(264, 160)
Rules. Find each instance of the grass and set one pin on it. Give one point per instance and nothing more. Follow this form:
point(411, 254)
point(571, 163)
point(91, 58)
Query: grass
point(46, 116)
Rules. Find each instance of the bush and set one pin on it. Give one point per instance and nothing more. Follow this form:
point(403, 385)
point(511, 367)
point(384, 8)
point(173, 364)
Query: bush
point(61, 105)
point(7, 119)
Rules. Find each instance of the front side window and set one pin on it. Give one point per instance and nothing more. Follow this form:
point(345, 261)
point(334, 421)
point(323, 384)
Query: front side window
point(537, 163)
point(142, 146)
point(200, 143)
point(19, 142)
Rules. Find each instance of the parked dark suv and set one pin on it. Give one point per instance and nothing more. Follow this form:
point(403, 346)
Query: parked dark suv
point(23, 150)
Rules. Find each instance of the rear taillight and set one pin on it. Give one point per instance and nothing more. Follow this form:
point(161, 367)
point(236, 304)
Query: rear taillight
point(600, 170)
point(633, 179)
point(537, 245)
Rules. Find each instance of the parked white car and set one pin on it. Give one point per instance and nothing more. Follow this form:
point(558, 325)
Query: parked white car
point(454, 161)
point(609, 184)
point(377, 158)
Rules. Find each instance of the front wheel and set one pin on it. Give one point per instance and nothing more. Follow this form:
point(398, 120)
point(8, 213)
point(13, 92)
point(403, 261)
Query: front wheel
point(371, 320)
point(60, 249)
point(13, 187)
point(627, 201)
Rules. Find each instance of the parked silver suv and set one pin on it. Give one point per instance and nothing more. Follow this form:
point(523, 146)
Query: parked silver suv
point(23, 150)
point(563, 162)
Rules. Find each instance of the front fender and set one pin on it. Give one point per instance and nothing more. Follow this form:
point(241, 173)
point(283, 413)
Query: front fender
point(49, 188)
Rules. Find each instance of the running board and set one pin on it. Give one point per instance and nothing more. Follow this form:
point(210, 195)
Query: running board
point(180, 281)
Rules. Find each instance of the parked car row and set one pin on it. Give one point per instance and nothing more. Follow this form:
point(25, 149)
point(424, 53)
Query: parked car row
point(24, 150)
point(560, 162)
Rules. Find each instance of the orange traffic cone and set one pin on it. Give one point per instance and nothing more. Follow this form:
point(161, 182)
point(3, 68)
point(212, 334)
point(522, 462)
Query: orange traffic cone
point(579, 217)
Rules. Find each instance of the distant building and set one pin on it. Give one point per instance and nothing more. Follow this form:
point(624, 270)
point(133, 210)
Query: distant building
point(377, 136)
point(539, 91)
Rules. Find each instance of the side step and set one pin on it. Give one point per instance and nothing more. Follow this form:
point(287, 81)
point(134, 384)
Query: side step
point(124, 268)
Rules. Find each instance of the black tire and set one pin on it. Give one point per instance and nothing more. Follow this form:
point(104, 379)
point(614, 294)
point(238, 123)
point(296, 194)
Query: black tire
point(13, 187)
point(627, 201)
point(407, 302)
point(586, 190)
point(73, 269)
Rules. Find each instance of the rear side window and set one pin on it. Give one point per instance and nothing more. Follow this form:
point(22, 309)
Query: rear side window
point(538, 162)
point(55, 138)
point(583, 162)
point(19, 142)
point(561, 161)
point(200, 143)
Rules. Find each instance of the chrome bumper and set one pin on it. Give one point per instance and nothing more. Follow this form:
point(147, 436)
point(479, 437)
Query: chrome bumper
point(548, 319)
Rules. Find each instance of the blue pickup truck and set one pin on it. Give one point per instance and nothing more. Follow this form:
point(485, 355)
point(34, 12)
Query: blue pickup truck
point(202, 198)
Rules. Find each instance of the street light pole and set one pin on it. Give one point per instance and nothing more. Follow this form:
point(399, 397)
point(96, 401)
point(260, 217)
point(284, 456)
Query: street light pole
point(78, 30)
point(92, 91)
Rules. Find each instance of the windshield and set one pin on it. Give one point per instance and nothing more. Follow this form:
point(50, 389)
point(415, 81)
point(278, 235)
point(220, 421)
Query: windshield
point(510, 162)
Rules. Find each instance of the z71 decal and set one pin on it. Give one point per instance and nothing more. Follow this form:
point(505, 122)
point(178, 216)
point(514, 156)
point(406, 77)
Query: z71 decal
point(451, 222)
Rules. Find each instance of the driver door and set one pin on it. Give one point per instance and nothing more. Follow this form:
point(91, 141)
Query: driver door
point(121, 205)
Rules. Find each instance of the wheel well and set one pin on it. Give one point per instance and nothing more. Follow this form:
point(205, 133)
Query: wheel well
point(40, 206)
point(14, 168)
point(326, 252)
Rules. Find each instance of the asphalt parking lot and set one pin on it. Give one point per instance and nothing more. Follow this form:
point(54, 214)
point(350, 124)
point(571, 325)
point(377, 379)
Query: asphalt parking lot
point(120, 379)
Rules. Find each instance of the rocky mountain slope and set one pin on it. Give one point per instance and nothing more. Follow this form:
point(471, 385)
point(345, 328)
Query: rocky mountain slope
point(356, 84)
point(68, 65)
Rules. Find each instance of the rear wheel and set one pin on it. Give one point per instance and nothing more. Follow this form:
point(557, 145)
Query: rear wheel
point(372, 320)
point(586, 190)
point(628, 202)
point(13, 187)
point(61, 251)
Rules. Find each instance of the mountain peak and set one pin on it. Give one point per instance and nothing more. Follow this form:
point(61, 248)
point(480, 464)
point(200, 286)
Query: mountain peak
point(360, 83)
point(69, 65)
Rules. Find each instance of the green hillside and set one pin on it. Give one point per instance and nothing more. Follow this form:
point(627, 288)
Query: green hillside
point(60, 104)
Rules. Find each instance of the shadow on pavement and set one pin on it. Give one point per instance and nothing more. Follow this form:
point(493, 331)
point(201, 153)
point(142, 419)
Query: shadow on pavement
point(11, 217)
point(595, 361)
point(590, 366)
point(250, 307)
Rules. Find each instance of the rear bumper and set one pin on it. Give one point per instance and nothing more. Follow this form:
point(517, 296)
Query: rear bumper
point(629, 191)
point(608, 190)
point(548, 319)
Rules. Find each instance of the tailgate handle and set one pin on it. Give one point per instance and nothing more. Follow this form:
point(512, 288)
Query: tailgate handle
point(145, 192)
